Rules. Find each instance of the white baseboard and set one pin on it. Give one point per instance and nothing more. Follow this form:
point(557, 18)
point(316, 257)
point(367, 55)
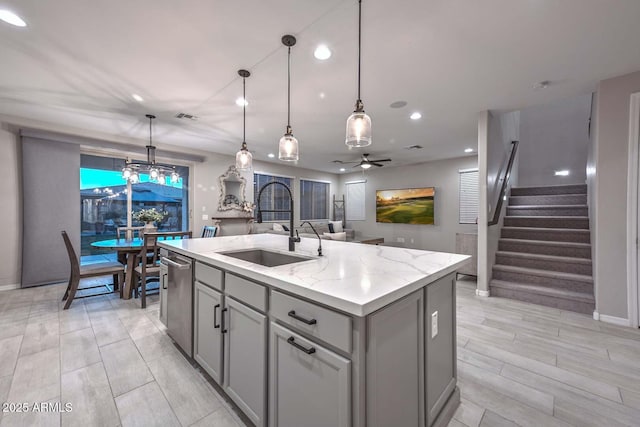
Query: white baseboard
point(620, 321)
point(481, 293)
point(9, 287)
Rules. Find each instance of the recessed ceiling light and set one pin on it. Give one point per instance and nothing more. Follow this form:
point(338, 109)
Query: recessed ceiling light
point(322, 95)
point(271, 155)
point(241, 102)
point(415, 116)
point(12, 18)
point(322, 52)
point(342, 169)
point(137, 97)
point(468, 150)
point(561, 173)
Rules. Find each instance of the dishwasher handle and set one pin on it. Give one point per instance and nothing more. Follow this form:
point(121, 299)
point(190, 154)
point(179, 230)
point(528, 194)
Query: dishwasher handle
point(172, 263)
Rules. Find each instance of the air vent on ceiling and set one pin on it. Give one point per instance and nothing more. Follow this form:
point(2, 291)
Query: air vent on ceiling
point(186, 116)
point(414, 147)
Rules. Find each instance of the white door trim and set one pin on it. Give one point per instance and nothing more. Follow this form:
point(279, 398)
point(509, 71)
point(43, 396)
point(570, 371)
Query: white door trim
point(632, 211)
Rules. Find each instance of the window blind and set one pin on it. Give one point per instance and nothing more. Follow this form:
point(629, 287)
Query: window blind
point(274, 197)
point(355, 200)
point(469, 196)
point(314, 200)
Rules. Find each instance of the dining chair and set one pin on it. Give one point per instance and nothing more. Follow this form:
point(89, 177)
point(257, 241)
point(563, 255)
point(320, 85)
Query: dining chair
point(148, 261)
point(209, 231)
point(124, 231)
point(99, 269)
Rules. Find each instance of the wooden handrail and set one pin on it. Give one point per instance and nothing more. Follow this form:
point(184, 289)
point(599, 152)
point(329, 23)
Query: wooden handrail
point(505, 184)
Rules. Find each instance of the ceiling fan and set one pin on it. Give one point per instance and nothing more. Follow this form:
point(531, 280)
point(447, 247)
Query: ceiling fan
point(365, 163)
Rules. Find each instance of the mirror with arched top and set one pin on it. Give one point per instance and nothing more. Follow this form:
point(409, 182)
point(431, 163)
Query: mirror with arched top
point(232, 190)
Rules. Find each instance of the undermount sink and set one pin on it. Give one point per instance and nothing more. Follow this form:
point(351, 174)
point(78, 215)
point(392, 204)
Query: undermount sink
point(266, 258)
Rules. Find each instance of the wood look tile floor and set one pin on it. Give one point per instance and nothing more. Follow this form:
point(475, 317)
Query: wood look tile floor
point(518, 365)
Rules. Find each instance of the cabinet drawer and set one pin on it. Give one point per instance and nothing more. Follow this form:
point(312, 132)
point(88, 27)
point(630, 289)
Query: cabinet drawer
point(248, 292)
point(327, 325)
point(209, 275)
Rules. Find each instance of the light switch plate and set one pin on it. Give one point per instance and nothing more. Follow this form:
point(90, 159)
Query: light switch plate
point(401, 239)
point(434, 324)
point(205, 217)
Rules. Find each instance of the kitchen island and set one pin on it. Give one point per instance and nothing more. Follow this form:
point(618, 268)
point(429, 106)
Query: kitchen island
point(361, 336)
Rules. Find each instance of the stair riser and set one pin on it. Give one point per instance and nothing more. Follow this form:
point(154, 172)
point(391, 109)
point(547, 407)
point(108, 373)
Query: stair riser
point(565, 199)
point(547, 211)
point(550, 236)
point(549, 301)
point(547, 265)
point(551, 282)
point(544, 222)
point(537, 191)
point(545, 250)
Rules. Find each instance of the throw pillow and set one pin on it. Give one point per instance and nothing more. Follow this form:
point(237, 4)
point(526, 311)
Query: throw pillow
point(337, 226)
point(337, 236)
point(277, 227)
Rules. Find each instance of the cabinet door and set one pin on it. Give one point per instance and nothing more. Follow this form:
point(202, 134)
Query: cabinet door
point(245, 333)
point(163, 296)
point(310, 386)
point(207, 326)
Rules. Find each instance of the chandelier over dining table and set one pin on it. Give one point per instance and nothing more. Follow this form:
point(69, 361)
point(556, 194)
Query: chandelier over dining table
point(158, 172)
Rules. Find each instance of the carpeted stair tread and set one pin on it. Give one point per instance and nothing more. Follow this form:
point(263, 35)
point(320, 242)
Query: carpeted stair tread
point(544, 273)
point(549, 190)
point(549, 207)
point(543, 290)
point(582, 217)
point(548, 199)
point(547, 242)
point(551, 258)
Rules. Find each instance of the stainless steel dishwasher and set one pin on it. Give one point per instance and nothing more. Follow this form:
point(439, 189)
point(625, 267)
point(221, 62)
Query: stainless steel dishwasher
point(179, 300)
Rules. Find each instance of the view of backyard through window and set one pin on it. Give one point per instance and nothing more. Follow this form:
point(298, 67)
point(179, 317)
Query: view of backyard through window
point(103, 200)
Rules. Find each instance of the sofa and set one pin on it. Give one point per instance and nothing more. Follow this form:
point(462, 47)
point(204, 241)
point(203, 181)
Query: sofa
point(304, 231)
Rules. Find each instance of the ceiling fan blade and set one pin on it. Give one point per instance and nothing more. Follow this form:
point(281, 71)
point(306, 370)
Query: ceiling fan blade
point(381, 160)
point(376, 164)
point(340, 162)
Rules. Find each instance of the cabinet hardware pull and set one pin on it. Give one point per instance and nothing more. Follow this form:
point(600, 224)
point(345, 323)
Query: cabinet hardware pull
point(292, 341)
point(224, 327)
point(215, 316)
point(293, 314)
point(164, 281)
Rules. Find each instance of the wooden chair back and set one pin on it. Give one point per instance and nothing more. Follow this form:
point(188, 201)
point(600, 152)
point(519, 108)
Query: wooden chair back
point(209, 231)
point(150, 252)
point(73, 258)
point(126, 231)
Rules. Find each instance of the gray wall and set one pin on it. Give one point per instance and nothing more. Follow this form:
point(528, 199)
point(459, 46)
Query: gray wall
point(612, 136)
point(11, 248)
point(443, 175)
point(554, 137)
point(592, 189)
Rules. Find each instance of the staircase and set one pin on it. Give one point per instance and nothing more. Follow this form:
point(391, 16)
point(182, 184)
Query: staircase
point(544, 253)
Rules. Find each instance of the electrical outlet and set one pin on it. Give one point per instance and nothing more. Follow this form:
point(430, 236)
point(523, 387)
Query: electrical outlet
point(204, 209)
point(434, 324)
point(205, 217)
point(411, 240)
point(401, 239)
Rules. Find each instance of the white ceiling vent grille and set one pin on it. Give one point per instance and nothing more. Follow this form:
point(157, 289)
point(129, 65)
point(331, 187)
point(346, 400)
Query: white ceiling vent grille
point(186, 116)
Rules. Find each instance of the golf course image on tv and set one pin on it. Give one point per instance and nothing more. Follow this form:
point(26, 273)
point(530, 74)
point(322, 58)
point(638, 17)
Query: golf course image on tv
point(406, 206)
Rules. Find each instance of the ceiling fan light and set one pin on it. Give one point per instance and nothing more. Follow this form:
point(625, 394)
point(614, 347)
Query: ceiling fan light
point(288, 148)
point(365, 165)
point(358, 130)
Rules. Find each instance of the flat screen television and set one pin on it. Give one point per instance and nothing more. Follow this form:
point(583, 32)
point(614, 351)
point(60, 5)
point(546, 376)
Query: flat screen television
point(406, 206)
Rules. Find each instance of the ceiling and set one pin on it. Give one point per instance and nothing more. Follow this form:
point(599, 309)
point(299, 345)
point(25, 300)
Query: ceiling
point(78, 63)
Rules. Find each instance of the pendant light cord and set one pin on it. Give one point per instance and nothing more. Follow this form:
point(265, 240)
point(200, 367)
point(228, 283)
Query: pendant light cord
point(359, 42)
point(244, 109)
point(289, 88)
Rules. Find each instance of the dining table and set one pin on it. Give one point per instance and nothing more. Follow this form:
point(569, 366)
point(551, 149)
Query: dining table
point(127, 250)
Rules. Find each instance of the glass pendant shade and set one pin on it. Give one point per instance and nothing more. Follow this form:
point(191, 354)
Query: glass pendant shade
point(126, 172)
point(244, 158)
point(162, 178)
point(134, 177)
point(153, 174)
point(175, 177)
point(288, 148)
point(358, 130)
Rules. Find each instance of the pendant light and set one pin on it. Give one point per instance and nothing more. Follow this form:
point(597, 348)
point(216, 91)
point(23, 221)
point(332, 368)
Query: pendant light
point(359, 123)
point(157, 171)
point(244, 158)
point(288, 147)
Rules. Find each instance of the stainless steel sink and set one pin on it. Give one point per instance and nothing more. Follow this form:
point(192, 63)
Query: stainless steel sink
point(266, 258)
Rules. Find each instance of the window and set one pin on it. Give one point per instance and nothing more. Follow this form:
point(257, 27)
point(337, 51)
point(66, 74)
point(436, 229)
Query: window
point(314, 200)
point(355, 199)
point(274, 197)
point(103, 200)
point(468, 196)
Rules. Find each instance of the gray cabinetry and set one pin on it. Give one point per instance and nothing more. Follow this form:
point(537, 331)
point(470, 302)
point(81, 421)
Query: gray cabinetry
point(245, 333)
point(207, 348)
point(395, 364)
point(309, 385)
point(163, 293)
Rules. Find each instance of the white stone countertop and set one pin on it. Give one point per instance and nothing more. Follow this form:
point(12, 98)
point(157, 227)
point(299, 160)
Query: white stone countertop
point(355, 278)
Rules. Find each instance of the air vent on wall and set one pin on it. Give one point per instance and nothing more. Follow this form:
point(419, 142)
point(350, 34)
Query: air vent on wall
point(414, 147)
point(186, 116)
